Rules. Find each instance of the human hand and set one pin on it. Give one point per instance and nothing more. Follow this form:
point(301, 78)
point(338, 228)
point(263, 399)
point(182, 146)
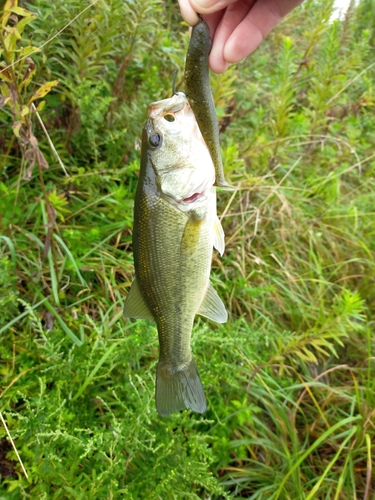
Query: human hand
point(237, 26)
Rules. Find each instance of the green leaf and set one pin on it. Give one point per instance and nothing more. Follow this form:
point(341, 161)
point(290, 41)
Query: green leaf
point(43, 90)
point(12, 31)
point(22, 12)
point(25, 110)
point(16, 126)
point(24, 22)
point(9, 4)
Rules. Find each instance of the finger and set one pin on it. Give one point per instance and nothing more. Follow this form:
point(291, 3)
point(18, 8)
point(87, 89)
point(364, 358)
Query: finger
point(213, 21)
point(230, 19)
point(260, 20)
point(188, 12)
point(210, 6)
point(218, 65)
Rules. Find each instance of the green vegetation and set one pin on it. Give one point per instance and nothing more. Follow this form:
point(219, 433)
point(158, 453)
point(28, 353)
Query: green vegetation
point(290, 378)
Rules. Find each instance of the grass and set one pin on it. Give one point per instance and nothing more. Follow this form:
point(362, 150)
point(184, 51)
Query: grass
point(290, 378)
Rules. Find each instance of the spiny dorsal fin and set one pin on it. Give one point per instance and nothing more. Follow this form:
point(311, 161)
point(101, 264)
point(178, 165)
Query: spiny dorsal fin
point(135, 306)
point(212, 306)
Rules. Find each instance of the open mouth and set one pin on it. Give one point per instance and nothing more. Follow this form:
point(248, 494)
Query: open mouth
point(167, 107)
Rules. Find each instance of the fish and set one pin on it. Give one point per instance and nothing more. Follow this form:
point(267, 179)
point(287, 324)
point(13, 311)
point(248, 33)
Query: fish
point(198, 91)
point(175, 229)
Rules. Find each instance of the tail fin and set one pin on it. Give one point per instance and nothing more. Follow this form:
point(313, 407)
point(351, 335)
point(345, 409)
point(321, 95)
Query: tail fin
point(178, 390)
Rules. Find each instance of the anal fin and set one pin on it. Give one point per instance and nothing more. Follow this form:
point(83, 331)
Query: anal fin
point(212, 306)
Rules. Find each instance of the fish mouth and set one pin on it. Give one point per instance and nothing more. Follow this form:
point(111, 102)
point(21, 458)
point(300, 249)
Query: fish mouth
point(167, 106)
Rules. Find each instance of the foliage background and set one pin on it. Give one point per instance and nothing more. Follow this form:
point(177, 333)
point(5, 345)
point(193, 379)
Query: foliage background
point(290, 378)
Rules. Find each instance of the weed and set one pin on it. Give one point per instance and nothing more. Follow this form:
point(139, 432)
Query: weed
point(290, 377)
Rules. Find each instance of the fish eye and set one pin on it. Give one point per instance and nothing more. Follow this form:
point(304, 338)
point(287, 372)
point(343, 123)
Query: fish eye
point(169, 118)
point(155, 140)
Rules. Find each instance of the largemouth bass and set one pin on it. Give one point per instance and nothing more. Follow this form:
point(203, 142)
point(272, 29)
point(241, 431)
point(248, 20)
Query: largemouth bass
point(175, 230)
point(198, 92)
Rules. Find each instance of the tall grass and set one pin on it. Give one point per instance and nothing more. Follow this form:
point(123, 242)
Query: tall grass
point(290, 377)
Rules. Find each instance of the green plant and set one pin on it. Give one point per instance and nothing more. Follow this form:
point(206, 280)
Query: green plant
point(290, 377)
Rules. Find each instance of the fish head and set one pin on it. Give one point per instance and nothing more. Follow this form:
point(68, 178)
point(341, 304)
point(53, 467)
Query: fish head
point(182, 164)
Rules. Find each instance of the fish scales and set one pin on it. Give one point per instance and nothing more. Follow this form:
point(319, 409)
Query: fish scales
point(175, 229)
point(172, 285)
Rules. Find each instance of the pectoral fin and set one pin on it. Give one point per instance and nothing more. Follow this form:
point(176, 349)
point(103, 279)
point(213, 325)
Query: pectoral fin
point(135, 306)
point(219, 242)
point(212, 306)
